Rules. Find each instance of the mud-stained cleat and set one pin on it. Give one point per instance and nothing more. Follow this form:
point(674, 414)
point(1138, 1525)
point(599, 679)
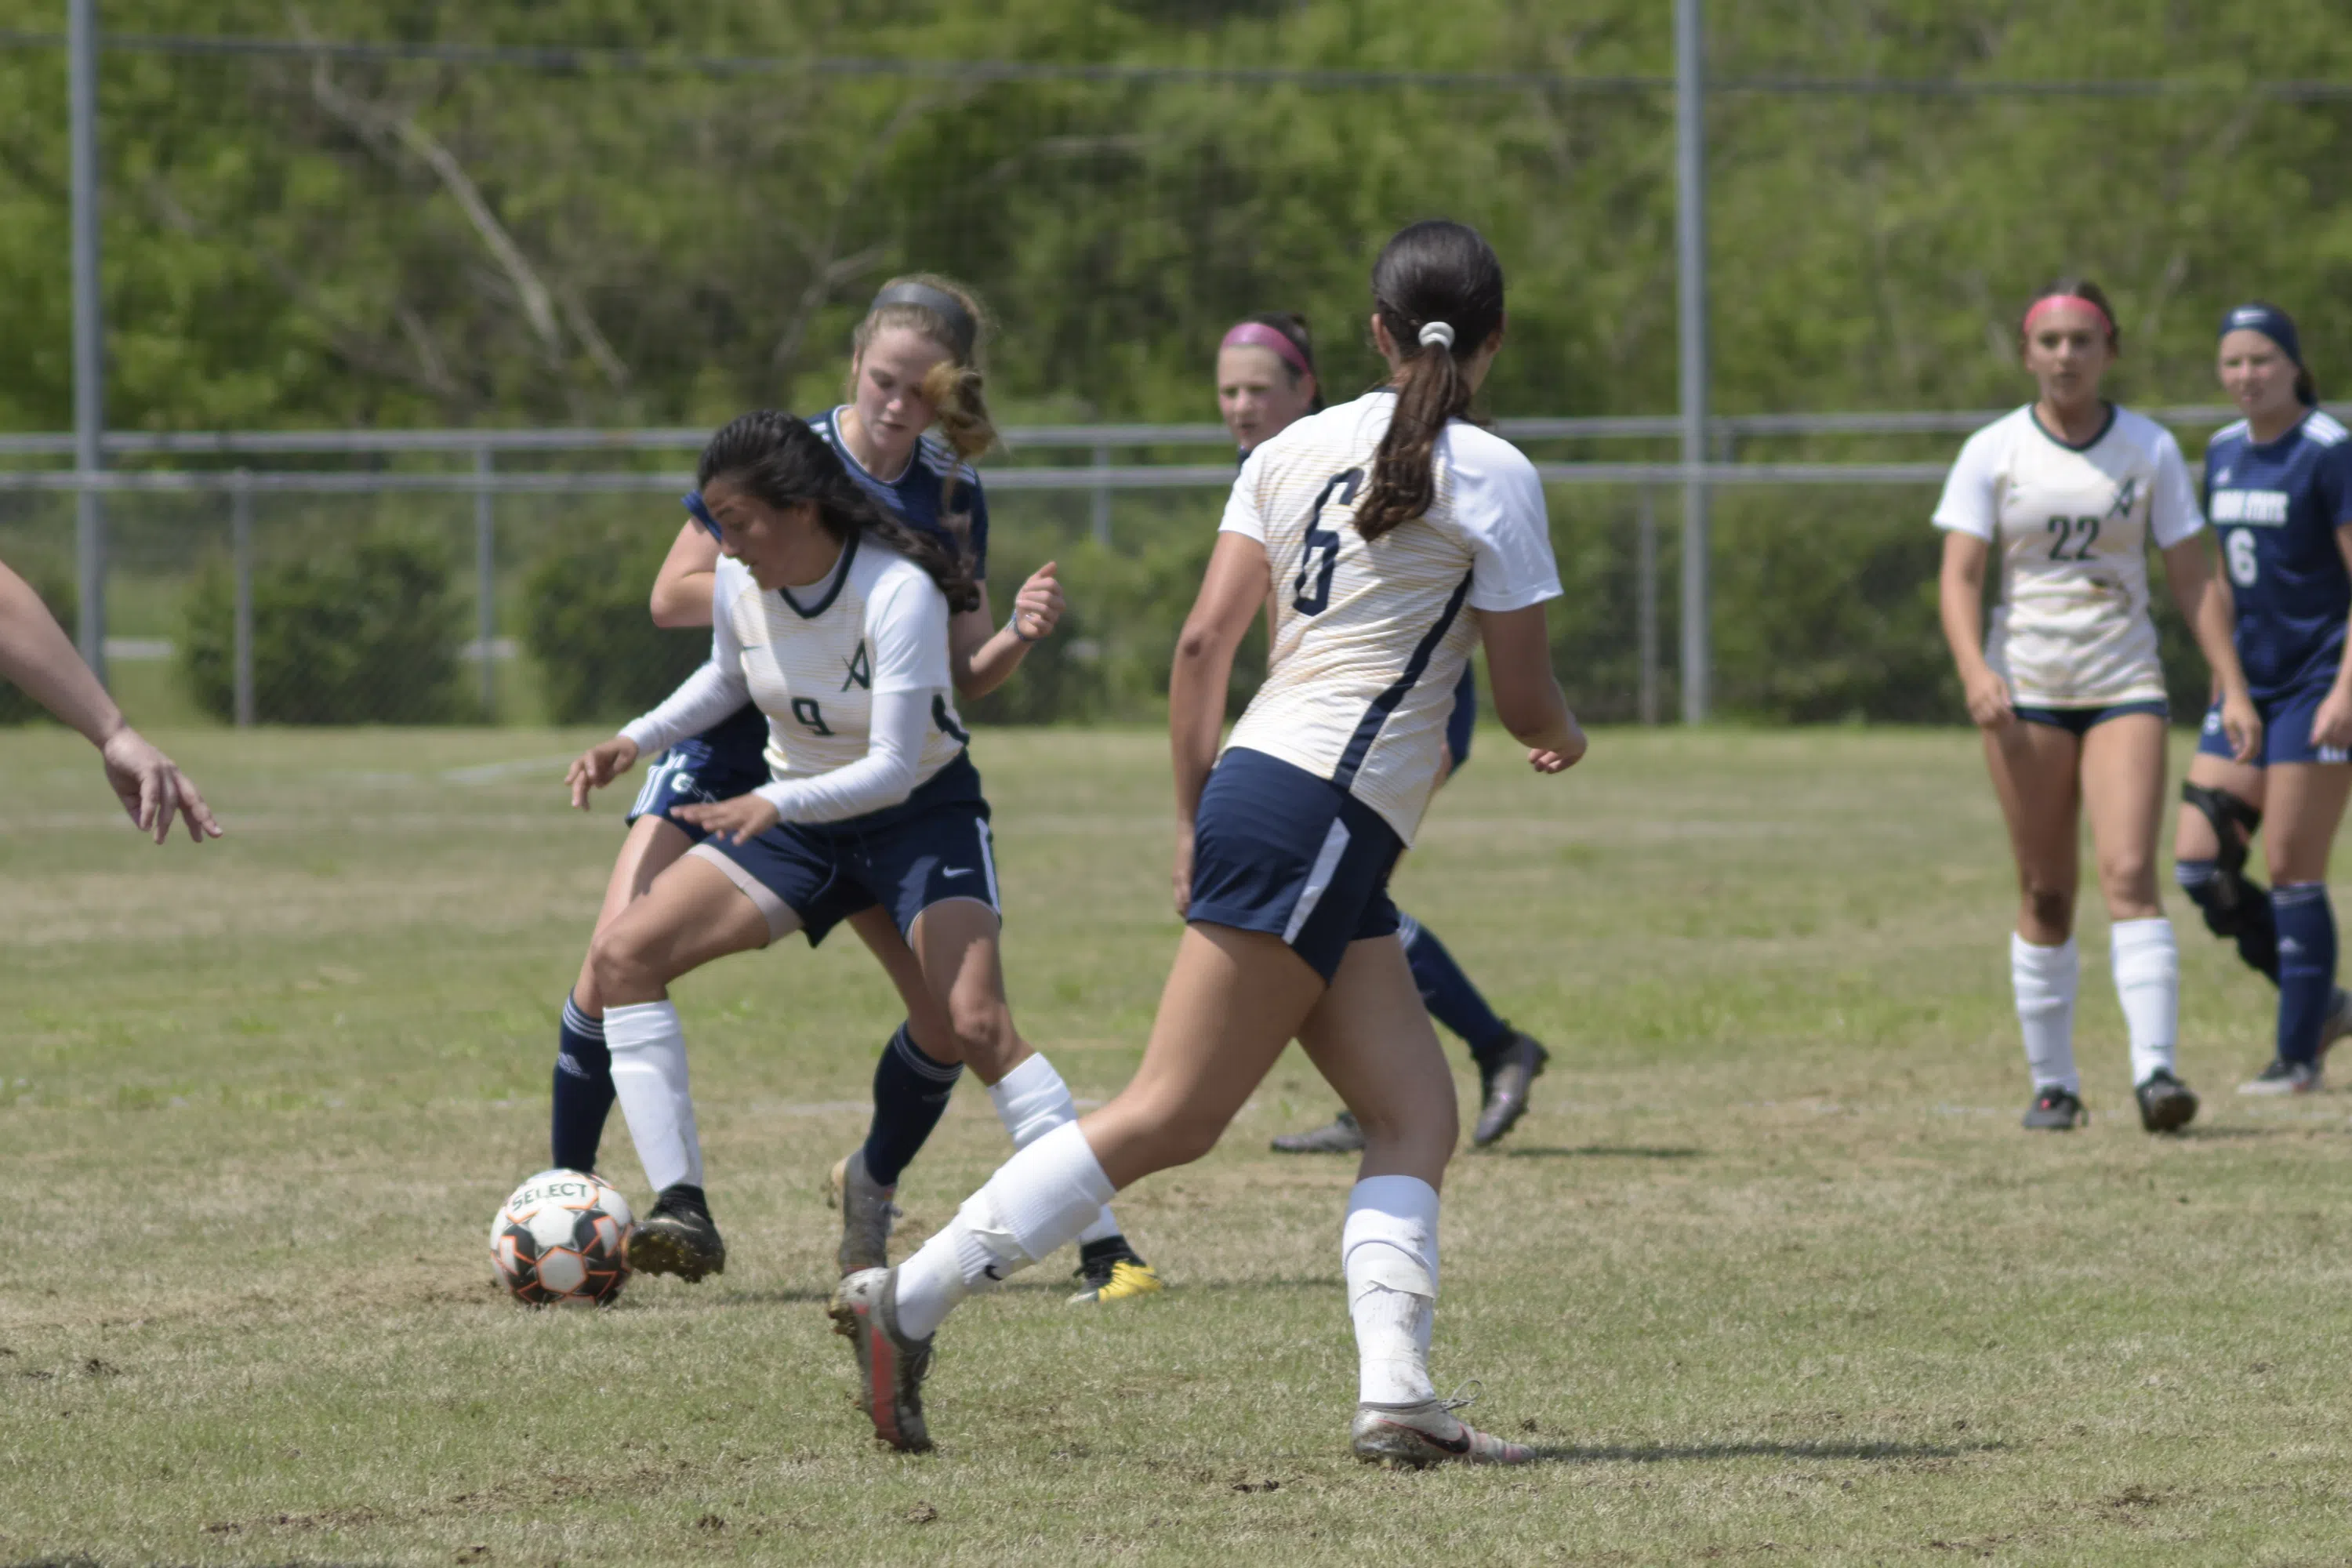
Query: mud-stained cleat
point(1506, 1099)
point(2056, 1108)
point(1113, 1271)
point(1341, 1137)
point(678, 1236)
point(890, 1366)
point(866, 1212)
point(2166, 1104)
point(2284, 1078)
point(2337, 1024)
point(1419, 1435)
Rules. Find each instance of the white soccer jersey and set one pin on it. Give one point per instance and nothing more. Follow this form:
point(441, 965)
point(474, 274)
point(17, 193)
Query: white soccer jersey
point(1370, 638)
point(814, 659)
point(2070, 527)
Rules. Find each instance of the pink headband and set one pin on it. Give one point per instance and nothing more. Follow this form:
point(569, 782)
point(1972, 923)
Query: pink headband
point(1258, 335)
point(2051, 302)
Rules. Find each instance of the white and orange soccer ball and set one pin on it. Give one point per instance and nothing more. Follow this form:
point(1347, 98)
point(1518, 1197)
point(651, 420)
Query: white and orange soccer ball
point(562, 1239)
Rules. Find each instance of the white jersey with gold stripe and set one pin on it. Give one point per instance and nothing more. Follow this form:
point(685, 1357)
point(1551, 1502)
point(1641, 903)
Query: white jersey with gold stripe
point(1370, 638)
point(2070, 528)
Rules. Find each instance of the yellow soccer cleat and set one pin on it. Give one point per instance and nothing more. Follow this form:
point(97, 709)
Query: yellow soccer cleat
point(1114, 1272)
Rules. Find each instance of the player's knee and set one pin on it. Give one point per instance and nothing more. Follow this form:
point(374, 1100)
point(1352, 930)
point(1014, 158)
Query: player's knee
point(2127, 879)
point(621, 964)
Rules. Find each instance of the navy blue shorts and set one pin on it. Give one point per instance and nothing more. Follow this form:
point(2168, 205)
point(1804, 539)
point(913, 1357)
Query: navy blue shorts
point(2080, 721)
point(932, 847)
point(1277, 849)
point(1465, 716)
point(2287, 728)
point(723, 762)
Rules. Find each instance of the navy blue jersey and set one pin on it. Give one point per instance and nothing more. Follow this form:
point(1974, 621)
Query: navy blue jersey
point(916, 496)
point(2277, 508)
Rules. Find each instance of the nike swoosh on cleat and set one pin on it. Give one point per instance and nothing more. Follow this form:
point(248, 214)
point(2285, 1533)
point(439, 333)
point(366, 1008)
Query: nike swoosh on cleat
point(1459, 1446)
point(966, 871)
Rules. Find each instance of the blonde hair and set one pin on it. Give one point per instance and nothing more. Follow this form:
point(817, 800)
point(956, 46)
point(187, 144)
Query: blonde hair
point(955, 386)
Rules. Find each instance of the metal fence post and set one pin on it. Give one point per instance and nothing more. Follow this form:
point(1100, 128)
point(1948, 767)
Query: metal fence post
point(1690, 246)
point(486, 582)
point(1646, 590)
point(241, 552)
point(88, 335)
point(1102, 500)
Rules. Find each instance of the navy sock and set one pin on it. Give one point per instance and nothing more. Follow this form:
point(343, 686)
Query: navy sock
point(583, 1091)
point(1448, 995)
point(2306, 946)
point(910, 1094)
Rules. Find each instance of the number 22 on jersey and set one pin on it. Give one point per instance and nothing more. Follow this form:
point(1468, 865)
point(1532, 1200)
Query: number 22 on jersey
point(1311, 594)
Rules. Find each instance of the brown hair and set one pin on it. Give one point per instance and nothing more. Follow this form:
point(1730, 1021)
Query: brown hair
point(1431, 271)
point(2080, 289)
point(782, 461)
point(955, 386)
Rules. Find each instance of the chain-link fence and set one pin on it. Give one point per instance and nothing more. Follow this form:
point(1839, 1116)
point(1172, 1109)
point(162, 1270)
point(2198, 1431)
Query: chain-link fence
point(509, 584)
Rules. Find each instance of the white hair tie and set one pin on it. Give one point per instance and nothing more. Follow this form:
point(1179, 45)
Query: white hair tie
point(1440, 333)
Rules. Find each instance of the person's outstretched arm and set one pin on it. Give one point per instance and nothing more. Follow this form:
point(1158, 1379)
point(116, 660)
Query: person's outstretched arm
point(37, 654)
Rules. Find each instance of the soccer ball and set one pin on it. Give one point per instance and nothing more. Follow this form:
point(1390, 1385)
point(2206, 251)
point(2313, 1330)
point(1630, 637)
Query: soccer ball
point(562, 1239)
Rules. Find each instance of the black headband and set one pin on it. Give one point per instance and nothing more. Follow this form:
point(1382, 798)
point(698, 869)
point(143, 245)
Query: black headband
point(941, 303)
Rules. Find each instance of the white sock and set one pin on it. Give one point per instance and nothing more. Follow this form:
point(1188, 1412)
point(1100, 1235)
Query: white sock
point(1036, 1202)
point(2045, 979)
point(1032, 1100)
point(1389, 1253)
point(648, 1050)
point(2148, 983)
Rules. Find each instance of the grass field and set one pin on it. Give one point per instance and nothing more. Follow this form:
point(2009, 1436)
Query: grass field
point(1771, 1273)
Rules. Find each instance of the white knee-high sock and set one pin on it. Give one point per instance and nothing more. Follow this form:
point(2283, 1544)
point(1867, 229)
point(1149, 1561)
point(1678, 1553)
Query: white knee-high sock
point(1389, 1253)
point(1032, 1100)
point(648, 1050)
point(1035, 1203)
point(2146, 963)
point(2045, 978)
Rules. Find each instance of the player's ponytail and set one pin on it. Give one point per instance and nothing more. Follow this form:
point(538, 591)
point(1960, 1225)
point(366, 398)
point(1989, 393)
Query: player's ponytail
point(1438, 288)
point(951, 315)
point(784, 462)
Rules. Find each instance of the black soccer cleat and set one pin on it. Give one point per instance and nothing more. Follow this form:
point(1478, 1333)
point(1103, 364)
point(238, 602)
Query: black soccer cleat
point(678, 1236)
point(1506, 1087)
point(1341, 1137)
point(2056, 1108)
point(2166, 1104)
point(2283, 1078)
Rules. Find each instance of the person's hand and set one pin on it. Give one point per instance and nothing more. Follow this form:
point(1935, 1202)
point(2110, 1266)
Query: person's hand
point(151, 788)
point(1180, 878)
point(1038, 607)
point(2243, 727)
point(2331, 725)
point(599, 765)
point(744, 817)
point(1545, 761)
point(1989, 706)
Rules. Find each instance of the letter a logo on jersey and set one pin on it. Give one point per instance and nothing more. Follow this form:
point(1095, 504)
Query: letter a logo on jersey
point(2125, 493)
point(861, 670)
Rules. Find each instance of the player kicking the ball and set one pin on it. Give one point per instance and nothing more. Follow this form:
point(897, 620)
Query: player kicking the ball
point(1375, 524)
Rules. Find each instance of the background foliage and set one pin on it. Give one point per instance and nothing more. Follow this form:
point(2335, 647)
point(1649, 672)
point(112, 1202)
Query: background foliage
point(298, 242)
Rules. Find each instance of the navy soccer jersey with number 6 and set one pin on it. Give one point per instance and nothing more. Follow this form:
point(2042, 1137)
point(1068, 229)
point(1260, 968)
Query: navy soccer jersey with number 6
point(2277, 507)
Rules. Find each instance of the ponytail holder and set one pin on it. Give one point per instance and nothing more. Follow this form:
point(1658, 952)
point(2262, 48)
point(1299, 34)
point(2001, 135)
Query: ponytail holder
point(1438, 333)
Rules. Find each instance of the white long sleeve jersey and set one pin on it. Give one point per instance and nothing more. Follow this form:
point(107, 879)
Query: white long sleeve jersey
point(1370, 638)
point(852, 673)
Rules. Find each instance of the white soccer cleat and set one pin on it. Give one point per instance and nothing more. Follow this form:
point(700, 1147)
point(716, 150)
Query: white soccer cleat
point(867, 1213)
point(890, 1364)
point(1419, 1435)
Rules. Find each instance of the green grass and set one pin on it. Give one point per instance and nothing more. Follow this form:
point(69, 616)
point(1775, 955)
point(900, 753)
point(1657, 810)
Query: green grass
point(1770, 1272)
